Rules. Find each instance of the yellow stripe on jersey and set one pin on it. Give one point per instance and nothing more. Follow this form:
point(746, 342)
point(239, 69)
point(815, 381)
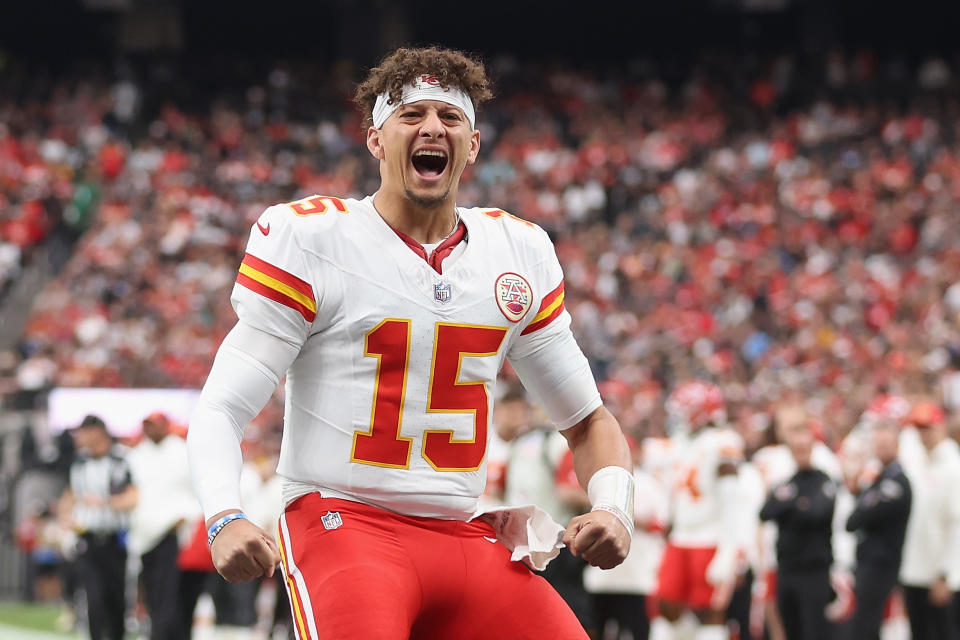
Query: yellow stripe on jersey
point(545, 313)
point(278, 286)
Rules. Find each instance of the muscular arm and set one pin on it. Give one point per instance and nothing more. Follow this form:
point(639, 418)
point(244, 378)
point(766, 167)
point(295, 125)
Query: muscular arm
point(248, 367)
point(597, 442)
point(599, 536)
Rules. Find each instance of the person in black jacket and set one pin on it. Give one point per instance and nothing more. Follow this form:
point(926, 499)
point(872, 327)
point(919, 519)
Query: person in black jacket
point(803, 507)
point(880, 522)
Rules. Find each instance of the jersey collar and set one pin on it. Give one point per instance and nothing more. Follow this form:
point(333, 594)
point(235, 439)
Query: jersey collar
point(444, 249)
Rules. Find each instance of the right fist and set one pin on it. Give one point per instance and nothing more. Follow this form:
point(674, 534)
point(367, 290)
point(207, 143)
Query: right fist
point(243, 551)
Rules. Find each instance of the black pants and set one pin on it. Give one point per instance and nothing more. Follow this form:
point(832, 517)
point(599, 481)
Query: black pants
point(161, 587)
point(102, 564)
point(738, 611)
point(928, 622)
point(235, 603)
point(628, 610)
point(955, 613)
point(873, 584)
point(801, 599)
point(192, 585)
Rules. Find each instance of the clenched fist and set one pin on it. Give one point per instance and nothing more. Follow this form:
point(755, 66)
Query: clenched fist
point(599, 538)
point(243, 551)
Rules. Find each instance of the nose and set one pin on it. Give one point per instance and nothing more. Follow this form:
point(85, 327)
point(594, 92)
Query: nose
point(431, 126)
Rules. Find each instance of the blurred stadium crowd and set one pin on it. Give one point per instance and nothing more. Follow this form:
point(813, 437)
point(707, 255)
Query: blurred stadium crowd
point(786, 230)
point(776, 233)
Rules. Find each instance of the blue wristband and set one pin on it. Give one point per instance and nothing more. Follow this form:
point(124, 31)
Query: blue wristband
point(218, 526)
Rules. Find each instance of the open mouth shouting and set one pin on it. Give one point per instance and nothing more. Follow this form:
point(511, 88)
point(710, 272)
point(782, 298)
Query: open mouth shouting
point(430, 164)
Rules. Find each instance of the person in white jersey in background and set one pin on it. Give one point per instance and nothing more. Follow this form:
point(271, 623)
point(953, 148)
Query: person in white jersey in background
point(165, 503)
point(930, 569)
point(620, 594)
point(699, 568)
point(390, 317)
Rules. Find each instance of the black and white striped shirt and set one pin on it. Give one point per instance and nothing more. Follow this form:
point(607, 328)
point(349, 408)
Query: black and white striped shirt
point(103, 477)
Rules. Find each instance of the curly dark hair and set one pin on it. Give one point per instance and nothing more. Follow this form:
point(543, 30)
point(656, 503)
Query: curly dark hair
point(450, 68)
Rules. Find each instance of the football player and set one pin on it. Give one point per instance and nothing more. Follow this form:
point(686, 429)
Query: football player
point(699, 568)
point(391, 316)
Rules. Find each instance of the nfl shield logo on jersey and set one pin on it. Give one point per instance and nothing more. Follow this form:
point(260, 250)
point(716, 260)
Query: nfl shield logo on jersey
point(513, 296)
point(441, 292)
point(332, 520)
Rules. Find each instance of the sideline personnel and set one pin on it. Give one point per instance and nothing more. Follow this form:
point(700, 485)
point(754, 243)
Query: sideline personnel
point(932, 547)
point(803, 508)
point(880, 522)
point(97, 506)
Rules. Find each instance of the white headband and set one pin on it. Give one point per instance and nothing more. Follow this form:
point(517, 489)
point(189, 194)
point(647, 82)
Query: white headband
point(425, 87)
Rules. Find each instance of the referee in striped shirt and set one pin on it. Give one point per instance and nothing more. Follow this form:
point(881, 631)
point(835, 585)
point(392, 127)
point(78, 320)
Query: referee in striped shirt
point(98, 502)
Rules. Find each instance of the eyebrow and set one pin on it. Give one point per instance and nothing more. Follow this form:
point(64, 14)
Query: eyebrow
point(443, 109)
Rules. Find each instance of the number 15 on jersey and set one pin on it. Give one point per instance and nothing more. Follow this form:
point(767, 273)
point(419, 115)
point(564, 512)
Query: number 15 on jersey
point(389, 342)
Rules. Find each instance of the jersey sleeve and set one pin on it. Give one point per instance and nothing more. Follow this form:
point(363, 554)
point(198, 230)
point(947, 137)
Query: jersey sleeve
point(545, 355)
point(273, 291)
point(551, 316)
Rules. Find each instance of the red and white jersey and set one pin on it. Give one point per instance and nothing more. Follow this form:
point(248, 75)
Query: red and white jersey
point(389, 400)
point(659, 457)
point(696, 508)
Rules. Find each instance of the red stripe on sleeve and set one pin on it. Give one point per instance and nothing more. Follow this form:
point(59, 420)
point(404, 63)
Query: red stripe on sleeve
point(276, 273)
point(550, 297)
point(539, 324)
point(276, 296)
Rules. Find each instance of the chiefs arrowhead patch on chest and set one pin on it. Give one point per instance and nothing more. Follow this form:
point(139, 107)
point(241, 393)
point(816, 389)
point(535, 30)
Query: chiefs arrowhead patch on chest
point(513, 295)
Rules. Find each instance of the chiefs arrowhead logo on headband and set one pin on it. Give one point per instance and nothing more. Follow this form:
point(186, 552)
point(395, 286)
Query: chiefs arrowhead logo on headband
point(425, 87)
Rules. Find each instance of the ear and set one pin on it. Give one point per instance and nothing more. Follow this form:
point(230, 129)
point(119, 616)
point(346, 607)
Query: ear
point(474, 147)
point(375, 143)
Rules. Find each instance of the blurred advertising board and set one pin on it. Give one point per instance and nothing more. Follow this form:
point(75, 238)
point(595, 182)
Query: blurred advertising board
point(123, 410)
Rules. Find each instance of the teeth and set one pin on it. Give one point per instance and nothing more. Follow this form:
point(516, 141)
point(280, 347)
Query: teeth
point(428, 152)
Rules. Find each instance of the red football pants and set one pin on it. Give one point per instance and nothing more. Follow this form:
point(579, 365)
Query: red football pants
point(392, 577)
point(683, 576)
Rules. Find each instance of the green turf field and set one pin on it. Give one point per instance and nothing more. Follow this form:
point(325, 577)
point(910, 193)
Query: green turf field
point(17, 620)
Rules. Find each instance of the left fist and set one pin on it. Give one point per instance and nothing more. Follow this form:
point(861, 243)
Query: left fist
point(599, 538)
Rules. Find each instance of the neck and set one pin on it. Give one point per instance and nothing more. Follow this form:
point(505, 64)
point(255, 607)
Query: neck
point(425, 224)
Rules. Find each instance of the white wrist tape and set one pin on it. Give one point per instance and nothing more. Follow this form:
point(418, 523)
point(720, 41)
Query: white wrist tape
point(611, 489)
